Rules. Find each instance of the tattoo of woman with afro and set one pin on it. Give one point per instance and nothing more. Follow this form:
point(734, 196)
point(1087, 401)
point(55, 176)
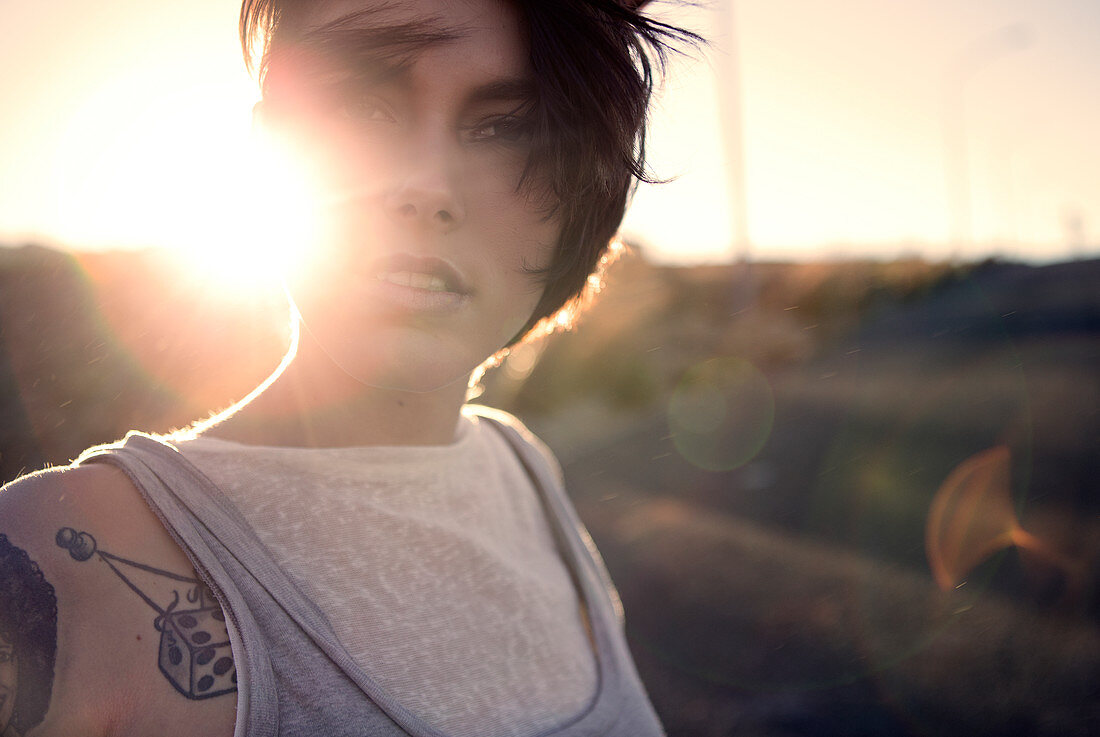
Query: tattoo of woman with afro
point(28, 641)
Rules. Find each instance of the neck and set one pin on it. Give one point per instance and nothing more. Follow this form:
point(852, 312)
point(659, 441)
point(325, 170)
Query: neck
point(314, 403)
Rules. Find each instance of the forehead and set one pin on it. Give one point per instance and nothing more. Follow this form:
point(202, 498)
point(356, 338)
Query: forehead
point(482, 37)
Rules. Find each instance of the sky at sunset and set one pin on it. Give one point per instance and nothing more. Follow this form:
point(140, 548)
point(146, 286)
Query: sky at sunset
point(122, 124)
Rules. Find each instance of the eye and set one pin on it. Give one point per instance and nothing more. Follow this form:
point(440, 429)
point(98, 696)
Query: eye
point(5, 656)
point(505, 129)
point(366, 107)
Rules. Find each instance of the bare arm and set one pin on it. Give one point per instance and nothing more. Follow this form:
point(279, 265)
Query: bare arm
point(124, 661)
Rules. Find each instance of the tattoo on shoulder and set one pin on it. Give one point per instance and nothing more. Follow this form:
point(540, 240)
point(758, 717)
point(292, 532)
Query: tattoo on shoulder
point(194, 654)
point(28, 641)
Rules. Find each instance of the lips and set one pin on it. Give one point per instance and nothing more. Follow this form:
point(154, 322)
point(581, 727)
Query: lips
point(415, 280)
point(427, 273)
point(408, 284)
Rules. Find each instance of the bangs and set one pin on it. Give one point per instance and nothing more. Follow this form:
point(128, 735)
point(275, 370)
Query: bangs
point(363, 44)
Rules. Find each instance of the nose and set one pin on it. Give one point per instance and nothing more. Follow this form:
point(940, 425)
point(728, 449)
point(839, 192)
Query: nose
point(426, 189)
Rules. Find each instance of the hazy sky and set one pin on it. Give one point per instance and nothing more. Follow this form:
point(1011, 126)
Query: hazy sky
point(120, 122)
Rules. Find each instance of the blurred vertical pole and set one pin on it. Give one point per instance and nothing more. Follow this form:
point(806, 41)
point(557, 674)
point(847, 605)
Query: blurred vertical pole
point(956, 155)
point(732, 124)
point(955, 159)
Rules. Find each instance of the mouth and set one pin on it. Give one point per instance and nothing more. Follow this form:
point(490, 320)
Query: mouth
point(429, 273)
point(416, 280)
point(419, 283)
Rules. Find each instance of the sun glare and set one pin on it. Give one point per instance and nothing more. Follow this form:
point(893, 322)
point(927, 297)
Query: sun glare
point(185, 173)
point(264, 230)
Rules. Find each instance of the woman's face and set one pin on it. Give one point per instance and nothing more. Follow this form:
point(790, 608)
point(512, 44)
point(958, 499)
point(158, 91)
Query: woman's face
point(9, 680)
point(427, 241)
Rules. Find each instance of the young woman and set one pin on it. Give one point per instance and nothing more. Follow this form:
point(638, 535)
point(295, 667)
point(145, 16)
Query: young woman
point(356, 552)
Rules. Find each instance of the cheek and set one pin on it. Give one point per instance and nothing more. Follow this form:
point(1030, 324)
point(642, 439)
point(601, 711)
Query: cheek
point(526, 250)
point(522, 229)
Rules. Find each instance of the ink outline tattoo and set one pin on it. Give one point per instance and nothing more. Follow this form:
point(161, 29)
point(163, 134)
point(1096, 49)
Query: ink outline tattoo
point(28, 640)
point(194, 653)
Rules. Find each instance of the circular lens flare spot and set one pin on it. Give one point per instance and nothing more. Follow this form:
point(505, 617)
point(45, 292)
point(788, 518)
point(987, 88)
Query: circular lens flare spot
point(721, 413)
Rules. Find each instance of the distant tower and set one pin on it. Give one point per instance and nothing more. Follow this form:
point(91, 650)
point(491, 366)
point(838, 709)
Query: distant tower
point(1073, 226)
point(732, 125)
point(958, 74)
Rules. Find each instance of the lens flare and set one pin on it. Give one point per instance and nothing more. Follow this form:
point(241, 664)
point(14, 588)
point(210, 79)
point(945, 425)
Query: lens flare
point(972, 517)
point(721, 413)
point(195, 346)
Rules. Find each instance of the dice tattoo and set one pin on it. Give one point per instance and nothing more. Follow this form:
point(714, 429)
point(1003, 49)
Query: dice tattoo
point(194, 654)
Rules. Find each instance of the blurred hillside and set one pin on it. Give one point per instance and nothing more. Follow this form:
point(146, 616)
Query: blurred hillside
point(755, 448)
point(93, 345)
point(884, 376)
point(789, 592)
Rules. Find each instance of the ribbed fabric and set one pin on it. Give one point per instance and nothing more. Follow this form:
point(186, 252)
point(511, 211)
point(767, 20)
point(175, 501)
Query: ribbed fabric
point(297, 677)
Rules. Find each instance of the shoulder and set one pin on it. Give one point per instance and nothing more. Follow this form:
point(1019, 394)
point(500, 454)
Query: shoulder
point(46, 495)
point(95, 497)
point(34, 508)
point(65, 615)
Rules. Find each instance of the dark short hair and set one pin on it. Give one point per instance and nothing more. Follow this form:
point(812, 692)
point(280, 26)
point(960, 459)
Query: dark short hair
point(593, 63)
point(28, 620)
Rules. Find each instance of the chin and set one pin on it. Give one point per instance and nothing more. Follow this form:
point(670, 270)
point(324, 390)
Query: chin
point(415, 366)
point(404, 352)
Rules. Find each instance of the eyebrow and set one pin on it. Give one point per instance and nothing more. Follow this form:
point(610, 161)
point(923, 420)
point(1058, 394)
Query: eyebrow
point(520, 89)
point(377, 52)
point(361, 42)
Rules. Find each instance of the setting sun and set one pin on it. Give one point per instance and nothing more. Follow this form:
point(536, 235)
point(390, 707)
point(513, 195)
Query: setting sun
point(186, 176)
point(265, 226)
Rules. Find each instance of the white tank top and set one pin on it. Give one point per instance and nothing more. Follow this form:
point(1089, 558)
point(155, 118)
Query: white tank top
point(435, 566)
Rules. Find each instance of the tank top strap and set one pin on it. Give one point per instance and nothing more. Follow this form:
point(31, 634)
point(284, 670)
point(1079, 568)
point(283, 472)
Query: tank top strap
point(289, 649)
point(171, 495)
